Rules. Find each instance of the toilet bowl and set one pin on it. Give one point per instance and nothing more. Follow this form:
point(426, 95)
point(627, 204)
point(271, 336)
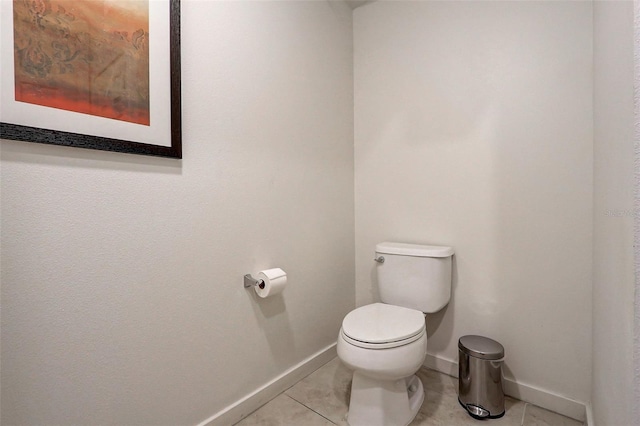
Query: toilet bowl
point(385, 345)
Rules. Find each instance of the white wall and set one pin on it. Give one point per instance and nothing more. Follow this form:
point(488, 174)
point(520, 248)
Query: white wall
point(122, 297)
point(473, 128)
point(613, 274)
point(636, 137)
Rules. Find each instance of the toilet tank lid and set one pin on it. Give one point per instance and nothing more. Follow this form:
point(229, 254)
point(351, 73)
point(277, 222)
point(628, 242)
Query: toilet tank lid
point(417, 250)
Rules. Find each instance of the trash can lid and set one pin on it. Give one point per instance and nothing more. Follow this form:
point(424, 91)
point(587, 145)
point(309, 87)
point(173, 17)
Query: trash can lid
point(481, 347)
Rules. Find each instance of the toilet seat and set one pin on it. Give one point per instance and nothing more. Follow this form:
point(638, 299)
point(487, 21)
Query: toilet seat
point(388, 345)
point(382, 326)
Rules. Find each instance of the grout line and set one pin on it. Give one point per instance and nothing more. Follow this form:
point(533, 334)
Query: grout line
point(524, 412)
point(311, 409)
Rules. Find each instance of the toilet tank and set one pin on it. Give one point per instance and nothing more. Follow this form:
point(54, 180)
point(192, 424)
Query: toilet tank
point(414, 276)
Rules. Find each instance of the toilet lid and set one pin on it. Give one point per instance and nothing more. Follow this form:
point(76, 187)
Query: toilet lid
point(380, 323)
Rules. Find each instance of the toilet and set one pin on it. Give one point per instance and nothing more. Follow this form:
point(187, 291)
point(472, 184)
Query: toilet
point(385, 343)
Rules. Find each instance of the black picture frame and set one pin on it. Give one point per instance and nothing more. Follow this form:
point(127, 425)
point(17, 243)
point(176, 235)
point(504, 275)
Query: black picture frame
point(55, 137)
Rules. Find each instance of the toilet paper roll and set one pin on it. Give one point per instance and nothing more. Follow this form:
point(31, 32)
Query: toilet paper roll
point(274, 282)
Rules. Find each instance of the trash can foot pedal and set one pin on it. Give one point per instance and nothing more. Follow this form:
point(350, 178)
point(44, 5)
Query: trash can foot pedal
point(479, 413)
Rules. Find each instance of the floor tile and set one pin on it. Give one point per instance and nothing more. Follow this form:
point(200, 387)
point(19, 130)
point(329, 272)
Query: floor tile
point(322, 398)
point(443, 409)
point(441, 406)
point(536, 416)
point(439, 409)
point(284, 411)
point(326, 391)
point(438, 382)
point(514, 410)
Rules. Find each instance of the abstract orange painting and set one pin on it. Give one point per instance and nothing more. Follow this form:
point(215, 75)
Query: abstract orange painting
point(87, 56)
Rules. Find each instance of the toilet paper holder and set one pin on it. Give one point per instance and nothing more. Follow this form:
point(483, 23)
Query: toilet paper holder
point(249, 281)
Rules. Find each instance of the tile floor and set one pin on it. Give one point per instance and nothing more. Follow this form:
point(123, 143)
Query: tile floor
point(322, 398)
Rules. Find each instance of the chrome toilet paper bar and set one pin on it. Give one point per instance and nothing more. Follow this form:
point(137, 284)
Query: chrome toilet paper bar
point(249, 281)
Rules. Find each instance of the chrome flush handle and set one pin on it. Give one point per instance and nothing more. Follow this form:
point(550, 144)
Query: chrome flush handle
point(379, 259)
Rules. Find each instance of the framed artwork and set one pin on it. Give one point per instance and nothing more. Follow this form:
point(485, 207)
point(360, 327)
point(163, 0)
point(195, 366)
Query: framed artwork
point(99, 74)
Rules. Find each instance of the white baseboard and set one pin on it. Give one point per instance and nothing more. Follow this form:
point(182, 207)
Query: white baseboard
point(522, 391)
point(589, 415)
point(245, 406)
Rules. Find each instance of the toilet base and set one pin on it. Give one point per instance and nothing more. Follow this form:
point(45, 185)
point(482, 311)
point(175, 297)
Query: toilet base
point(384, 402)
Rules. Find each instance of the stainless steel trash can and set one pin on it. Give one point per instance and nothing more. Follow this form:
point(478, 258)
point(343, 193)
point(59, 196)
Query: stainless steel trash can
point(480, 376)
